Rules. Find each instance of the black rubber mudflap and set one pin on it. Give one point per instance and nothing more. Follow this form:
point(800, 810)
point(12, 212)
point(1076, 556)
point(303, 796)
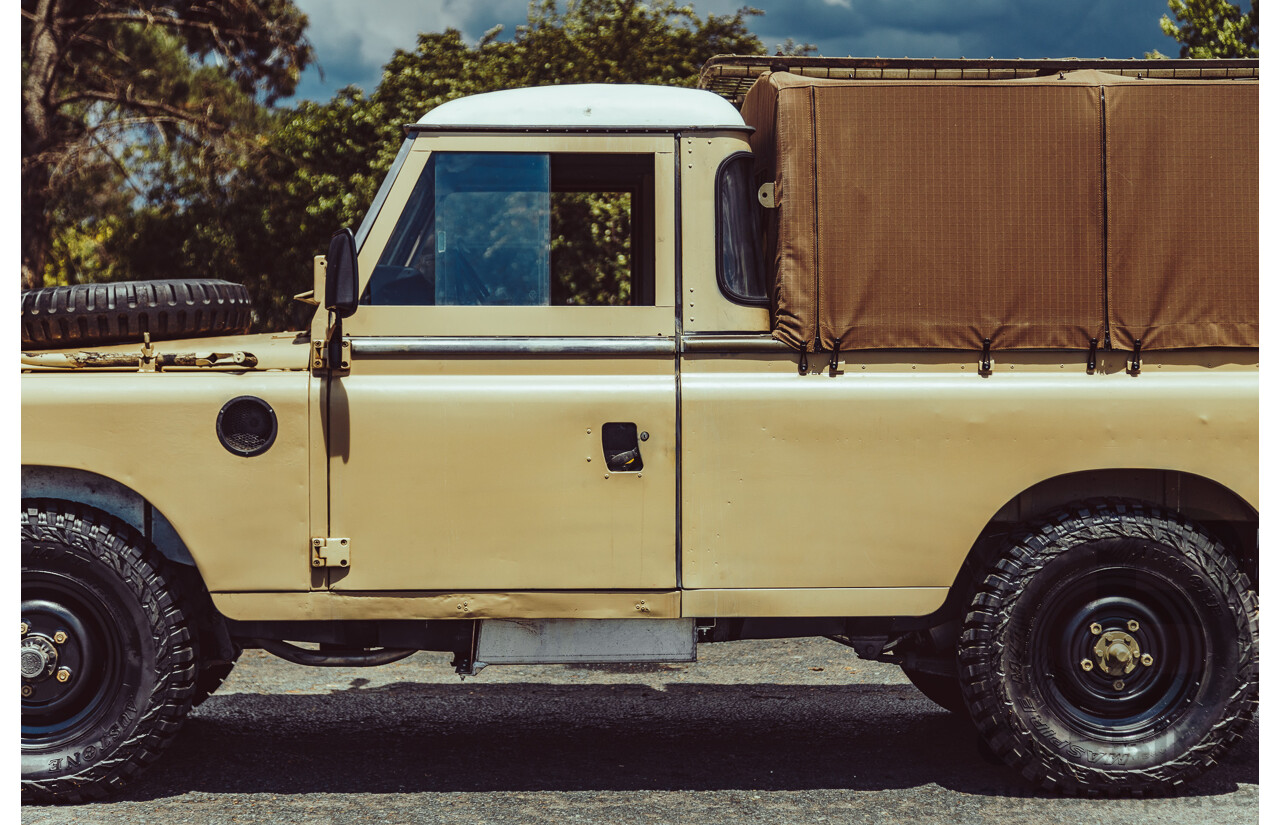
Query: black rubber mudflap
point(111, 313)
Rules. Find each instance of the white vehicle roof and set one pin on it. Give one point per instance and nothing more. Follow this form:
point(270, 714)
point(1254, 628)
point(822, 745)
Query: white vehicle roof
point(590, 105)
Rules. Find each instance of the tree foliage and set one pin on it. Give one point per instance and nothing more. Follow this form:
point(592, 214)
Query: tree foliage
point(1209, 29)
point(128, 100)
point(320, 164)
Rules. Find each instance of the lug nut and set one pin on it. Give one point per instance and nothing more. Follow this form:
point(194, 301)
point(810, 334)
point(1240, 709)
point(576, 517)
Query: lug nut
point(1133, 624)
point(1147, 660)
point(1095, 628)
point(60, 637)
point(27, 690)
point(25, 628)
point(63, 674)
point(1085, 664)
point(1118, 684)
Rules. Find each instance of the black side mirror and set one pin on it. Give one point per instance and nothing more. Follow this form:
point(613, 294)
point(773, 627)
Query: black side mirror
point(341, 281)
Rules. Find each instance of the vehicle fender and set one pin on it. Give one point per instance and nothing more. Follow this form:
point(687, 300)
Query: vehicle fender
point(111, 497)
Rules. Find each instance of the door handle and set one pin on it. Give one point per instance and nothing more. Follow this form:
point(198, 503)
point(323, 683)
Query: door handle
point(622, 461)
point(621, 444)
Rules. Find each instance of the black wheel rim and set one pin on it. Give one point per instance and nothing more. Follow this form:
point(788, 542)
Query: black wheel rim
point(1136, 609)
point(55, 711)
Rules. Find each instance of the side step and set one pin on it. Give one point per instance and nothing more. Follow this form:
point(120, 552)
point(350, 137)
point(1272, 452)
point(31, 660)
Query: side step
point(580, 641)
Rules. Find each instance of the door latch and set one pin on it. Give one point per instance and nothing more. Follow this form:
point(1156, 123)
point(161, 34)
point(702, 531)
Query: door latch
point(330, 552)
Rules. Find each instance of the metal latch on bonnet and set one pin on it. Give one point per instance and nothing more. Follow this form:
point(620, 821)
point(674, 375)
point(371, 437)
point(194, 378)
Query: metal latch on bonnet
point(147, 359)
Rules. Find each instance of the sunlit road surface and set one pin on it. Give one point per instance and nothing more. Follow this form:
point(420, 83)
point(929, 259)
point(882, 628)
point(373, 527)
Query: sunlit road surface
point(755, 732)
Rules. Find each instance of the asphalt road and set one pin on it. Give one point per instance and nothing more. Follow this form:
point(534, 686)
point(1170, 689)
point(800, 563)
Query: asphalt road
point(782, 732)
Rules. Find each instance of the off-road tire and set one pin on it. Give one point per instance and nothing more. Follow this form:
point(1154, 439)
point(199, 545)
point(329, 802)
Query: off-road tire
point(943, 691)
point(127, 642)
point(112, 313)
point(1031, 623)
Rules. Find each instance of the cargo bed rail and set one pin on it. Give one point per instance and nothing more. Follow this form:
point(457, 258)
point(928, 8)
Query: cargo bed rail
point(731, 75)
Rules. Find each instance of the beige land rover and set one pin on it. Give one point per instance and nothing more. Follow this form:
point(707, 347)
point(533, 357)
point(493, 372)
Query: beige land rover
point(953, 362)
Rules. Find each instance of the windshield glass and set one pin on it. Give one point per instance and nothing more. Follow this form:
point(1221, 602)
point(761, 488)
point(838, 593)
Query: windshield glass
point(381, 197)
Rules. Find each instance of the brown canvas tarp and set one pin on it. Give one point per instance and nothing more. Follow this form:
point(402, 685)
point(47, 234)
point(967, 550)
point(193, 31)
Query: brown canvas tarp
point(939, 214)
point(1182, 209)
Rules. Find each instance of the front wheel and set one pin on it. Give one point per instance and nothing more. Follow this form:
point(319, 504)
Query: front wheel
point(1112, 649)
point(108, 661)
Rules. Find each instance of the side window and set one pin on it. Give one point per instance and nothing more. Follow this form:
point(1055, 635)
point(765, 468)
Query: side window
point(739, 234)
point(500, 229)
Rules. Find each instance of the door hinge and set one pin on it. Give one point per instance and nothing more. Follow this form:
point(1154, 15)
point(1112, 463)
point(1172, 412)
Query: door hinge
point(330, 552)
point(320, 355)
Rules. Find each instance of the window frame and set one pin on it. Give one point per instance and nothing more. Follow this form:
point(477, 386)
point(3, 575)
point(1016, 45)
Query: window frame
point(741, 300)
point(655, 320)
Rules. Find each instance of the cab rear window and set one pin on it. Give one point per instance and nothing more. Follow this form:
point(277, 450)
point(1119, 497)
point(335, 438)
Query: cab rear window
point(739, 234)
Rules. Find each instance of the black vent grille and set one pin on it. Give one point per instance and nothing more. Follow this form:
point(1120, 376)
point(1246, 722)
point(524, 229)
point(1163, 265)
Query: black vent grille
point(247, 426)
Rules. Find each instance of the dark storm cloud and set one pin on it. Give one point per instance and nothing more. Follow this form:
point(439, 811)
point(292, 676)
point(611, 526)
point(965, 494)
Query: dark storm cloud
point(978, 28)
point(354, 40)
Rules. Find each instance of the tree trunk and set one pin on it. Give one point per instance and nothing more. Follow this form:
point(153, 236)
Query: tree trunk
point(36, 228)
point(37, 139)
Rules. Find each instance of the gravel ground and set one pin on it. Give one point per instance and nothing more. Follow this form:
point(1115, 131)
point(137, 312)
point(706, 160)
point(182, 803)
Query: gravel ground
point(786, 732)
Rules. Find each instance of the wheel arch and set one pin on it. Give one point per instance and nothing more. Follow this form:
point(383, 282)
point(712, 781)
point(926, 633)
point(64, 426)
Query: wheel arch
point(115, 499)
point(1228, 516)
point(111, 497)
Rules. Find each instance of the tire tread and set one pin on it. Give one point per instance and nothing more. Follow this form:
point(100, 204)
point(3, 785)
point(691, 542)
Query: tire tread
point(990, 611)
point(121, 311)
point(116, 545)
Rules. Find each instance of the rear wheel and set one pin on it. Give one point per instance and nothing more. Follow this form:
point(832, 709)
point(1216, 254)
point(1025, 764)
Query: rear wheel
point(108, 661)
point(1112, 649)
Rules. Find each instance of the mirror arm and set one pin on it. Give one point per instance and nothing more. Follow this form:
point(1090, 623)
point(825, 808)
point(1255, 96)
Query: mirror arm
point(334, 343)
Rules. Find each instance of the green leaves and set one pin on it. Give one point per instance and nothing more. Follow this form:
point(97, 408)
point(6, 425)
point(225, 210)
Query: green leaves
point(158, 98)
point(256, 195)
point(1210, 29)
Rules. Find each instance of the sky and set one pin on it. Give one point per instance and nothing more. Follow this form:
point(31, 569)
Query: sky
point(354, 40)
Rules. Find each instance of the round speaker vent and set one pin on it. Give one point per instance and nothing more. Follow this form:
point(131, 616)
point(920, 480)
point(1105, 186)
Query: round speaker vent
point(247, 426)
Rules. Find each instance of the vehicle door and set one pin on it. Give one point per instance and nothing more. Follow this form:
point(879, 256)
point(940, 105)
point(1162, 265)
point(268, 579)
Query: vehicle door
point(508, 419)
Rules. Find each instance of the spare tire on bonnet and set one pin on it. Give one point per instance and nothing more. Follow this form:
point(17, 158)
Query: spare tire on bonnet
point(112, 313)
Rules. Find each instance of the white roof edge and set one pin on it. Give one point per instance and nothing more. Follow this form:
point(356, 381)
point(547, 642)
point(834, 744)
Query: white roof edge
point(589, 105)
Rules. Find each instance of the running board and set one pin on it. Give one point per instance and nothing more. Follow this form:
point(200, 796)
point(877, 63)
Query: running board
point(580, 641)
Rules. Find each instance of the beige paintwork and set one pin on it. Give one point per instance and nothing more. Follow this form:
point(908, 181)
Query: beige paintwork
point(487, 472)
point(884, 476)
point(814, 601)
point(448, 478)
point(656, 321)
point(244, 520)
point(703, 306)
point(427, 605)
point(474, 486)
point(273, 351)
